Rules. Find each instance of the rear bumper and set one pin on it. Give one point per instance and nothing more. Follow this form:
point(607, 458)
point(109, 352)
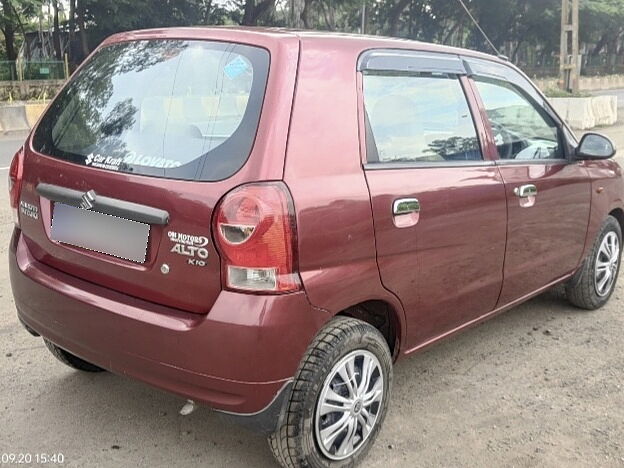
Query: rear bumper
point(239, 358)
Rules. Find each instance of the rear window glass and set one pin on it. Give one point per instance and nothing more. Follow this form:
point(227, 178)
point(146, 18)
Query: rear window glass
point(165, 108)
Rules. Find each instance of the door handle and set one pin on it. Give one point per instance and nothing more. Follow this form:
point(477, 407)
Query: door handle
point(404, 206)
point(406, 212)
point(525, 191)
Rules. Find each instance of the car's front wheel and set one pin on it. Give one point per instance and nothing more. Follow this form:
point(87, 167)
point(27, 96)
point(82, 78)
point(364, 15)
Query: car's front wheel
point(339, 398)
point(592, 286)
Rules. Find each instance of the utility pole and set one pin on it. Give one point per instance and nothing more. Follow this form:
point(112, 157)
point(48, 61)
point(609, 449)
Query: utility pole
point(570, 64)
point(363, 22)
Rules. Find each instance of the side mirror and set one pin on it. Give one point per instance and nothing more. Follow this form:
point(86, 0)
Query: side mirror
point(595, 146)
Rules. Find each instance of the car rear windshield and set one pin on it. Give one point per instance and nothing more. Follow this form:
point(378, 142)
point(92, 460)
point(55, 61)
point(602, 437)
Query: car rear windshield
point(164, 108)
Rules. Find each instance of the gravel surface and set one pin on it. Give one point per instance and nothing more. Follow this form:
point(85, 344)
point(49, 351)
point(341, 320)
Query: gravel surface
point(541, 385)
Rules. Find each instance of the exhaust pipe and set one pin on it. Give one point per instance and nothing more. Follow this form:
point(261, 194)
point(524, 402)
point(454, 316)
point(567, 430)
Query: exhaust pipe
point(188, 408)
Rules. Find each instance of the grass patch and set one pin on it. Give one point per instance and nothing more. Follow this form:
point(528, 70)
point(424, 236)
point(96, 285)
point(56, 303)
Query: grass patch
point(560, 93)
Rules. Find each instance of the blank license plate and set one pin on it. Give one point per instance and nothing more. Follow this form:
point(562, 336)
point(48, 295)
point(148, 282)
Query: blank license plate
point(100, 232)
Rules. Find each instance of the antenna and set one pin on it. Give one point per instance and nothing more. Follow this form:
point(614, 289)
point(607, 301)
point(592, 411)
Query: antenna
point(479, 27)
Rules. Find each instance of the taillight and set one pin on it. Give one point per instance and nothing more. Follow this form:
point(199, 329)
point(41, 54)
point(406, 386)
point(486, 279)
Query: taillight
point(254, 226)
point(15, 183)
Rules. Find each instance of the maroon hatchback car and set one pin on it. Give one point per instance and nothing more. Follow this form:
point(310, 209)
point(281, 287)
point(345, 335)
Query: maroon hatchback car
point(263, 221)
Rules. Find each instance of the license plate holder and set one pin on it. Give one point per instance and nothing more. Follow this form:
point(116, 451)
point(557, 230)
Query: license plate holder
point(100, 232)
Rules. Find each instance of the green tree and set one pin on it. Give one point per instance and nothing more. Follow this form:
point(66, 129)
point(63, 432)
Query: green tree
point(258, 12)
point(101, 18)
point(8, 29)
point(522, 29)
point(15, 16)
point(602, 24)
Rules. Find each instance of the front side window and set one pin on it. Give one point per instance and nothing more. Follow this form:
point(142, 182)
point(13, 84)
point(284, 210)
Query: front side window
point(418, 118)
point(164, 108)
point(522, 130)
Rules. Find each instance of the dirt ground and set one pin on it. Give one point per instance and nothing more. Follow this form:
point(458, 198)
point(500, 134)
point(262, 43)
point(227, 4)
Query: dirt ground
point(540, 386)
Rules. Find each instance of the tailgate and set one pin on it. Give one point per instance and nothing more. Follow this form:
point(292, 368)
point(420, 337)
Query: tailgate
point(159, 126)
point(181, 267)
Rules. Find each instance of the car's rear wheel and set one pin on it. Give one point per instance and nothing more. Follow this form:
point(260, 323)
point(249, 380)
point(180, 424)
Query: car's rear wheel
point(339, 398)
point(70, 360)
point(592, 286)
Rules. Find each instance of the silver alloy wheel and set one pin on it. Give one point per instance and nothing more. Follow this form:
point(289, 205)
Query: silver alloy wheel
point(607, 264)
point(349, 404)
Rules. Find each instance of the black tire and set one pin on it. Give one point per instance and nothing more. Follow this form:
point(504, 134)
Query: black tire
point(294, 444)
point(70, 360)
point(581, 290)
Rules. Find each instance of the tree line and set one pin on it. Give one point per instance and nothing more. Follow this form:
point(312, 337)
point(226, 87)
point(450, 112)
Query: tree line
point(525, 30)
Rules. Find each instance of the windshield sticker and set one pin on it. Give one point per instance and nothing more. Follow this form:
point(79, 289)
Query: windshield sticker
point(132, 158)
point(235, 68)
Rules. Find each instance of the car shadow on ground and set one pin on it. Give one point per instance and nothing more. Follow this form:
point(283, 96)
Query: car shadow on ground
point(129, 421)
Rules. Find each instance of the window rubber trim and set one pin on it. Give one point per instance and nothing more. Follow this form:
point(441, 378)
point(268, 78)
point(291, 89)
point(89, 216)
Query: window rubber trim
point(526, 162)
point(426, 165)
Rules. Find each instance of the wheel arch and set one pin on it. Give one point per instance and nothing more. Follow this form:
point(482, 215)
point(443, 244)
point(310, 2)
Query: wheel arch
point(384, 317)
point(618, 214)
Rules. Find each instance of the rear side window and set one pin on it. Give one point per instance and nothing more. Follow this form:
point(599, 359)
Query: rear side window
point(165, 108)
point(418, 118)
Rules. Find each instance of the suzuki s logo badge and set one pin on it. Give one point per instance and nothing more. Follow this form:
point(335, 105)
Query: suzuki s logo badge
point(87, 200)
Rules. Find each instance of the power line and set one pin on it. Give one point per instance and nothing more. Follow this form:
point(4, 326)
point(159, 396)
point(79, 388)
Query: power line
point(478, 27)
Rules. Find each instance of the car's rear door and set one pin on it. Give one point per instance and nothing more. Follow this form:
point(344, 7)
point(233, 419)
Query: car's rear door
point(438, 204)
point(548, 192)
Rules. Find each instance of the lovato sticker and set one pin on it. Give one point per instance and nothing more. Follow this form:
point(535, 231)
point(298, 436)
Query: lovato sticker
point(191, 246)
point(132, 158)
point(30, 210)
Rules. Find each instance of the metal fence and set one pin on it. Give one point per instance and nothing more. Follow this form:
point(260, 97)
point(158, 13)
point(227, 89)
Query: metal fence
point(597, 65)
point(540, 71)
point(608, 64)
point(22, 70)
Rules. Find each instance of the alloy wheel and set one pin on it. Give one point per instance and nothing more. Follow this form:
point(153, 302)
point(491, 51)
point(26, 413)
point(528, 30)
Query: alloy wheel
point(349, 404)
point(607, 262)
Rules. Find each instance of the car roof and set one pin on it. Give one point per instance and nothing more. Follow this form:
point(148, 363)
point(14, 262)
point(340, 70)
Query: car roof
point(392, 42)
point(329, 39)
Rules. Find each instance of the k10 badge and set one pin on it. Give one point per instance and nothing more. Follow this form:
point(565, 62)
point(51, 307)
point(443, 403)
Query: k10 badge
point(191, 246)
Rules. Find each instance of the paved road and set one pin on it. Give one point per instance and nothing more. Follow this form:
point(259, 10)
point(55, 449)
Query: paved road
point(540, 386)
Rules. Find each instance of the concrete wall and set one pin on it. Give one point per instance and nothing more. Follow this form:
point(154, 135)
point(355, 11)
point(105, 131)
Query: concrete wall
point(587, 83)
point(29, 90)
point(587, 113)
point(20, 116)
point(580, 113)
point(33, 111)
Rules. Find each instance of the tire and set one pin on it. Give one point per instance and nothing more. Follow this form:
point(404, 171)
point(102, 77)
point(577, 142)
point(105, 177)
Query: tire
point(70, 360)
point(342, 341)
point(584, 290)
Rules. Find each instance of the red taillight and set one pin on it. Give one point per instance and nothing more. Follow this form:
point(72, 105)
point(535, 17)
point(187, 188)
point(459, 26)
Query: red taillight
point(15, 183)
point(254, 226)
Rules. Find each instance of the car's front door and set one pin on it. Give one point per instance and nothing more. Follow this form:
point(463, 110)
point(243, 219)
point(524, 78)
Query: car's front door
point(548, 193)
point(439, 206)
